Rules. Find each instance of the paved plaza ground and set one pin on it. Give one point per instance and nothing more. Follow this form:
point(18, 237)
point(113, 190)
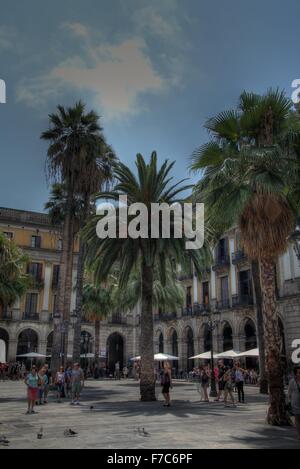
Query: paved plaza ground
point(117, 414)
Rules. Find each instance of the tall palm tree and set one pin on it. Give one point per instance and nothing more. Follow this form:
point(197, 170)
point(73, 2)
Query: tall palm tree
point(152, 185)
point(13, 281)
point(73, 137)
point(97, 304)
point(251, 190)
point(257, 122)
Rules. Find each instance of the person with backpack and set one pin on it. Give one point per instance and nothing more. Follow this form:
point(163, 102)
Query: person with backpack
point(239, 381)
point(294, 398)
point(166, 382)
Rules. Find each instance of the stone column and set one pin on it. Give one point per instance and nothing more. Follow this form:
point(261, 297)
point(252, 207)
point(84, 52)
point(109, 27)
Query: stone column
point(12, 350)
point(47, 285)
point(182, 355)
point(232, 269)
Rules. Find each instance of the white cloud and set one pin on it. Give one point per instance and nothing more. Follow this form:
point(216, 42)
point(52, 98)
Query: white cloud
point(78, 29)
point(116, 74)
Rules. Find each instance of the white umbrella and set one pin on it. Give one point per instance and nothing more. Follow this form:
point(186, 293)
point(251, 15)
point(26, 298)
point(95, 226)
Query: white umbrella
point(32, 355)
point(204, 356)
point(254, 352)
point(158, 357)
point(87, 355)
point(227, 354)
point(134, 359)
point(164, 356)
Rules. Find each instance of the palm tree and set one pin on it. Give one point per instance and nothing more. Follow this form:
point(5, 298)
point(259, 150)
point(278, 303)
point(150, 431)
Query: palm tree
point(97, 304)
point(13, 281)
point(259, 121)
point(74, 138)
point(152, 185)
point(168, 293)
point(251, 190)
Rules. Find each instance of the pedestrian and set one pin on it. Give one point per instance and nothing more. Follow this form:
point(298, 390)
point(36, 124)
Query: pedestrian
point(77, 381)
point(47, 385)
point(60, 383)
point(117, 370)
point(166, 382)
point(294, 398)
point(228, 387)
point(68, 385)
point(220, 381)
point(32, 383)
point(205, 384)
point(43, 381)
point(198, 382)
point(239, 381)
point(125, 372)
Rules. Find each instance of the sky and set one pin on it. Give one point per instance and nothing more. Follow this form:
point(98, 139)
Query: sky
point(154, 70)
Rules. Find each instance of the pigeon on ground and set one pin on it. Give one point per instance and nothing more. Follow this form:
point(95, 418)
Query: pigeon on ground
point(40, 434)
point(144, 433)
point(70, 432)
point(4, 441)
point(91, 407)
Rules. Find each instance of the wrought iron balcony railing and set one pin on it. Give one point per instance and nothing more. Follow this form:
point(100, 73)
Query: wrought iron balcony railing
point(238, 256)
point(27, 316)
point(221, 262)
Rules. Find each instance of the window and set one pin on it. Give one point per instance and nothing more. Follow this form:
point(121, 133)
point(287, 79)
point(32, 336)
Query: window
point(8, 234)
point(205, 293)
point(222, 248)
point(245, 286)
point(188, 296)
point(54, 303)
point(224, 290)
point(55, 277)
point(31, 303)
point(35, 269)
point(35, 241)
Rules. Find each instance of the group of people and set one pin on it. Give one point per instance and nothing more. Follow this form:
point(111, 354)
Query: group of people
point(67, 383)
point(13, 370)
point(227, 379)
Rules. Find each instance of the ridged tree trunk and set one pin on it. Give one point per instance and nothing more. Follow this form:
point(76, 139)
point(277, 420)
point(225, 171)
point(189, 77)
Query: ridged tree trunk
point(68, 291)
point(147, 382)
point(78, 307)
point(277, 414)
point(79, 288)
point(97, 342)
point(57, 333)
point(263, 386)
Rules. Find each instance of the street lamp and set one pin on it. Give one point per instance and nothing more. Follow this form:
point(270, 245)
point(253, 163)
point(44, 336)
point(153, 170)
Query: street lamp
point(212, 324)
point(85, 340)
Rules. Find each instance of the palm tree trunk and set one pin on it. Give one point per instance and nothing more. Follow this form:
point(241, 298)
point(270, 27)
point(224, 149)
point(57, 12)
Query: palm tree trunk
point(57, 333)
point(97, 342)
point(68, 290)
point(277, 414)
point(147, 383)
point(78, 307)
point(79, 285)
point(263, 387)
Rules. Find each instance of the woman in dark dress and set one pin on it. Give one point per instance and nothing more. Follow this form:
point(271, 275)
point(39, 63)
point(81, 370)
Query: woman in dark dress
point(166, 383)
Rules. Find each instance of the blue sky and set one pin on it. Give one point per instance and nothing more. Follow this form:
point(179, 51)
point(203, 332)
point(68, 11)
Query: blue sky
point(154, 71)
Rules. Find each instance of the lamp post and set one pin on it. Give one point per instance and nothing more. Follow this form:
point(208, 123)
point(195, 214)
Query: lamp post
point(85, 340)
point(212, 324)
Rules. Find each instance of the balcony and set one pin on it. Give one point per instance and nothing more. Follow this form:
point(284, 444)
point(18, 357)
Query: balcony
point(184, 276)
point(221, 262)
point(27, 316)
point(117, 319)
point(165, 316)
point(223, 304)
point(238, 257)
point(242, 300)
point(200, 309)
